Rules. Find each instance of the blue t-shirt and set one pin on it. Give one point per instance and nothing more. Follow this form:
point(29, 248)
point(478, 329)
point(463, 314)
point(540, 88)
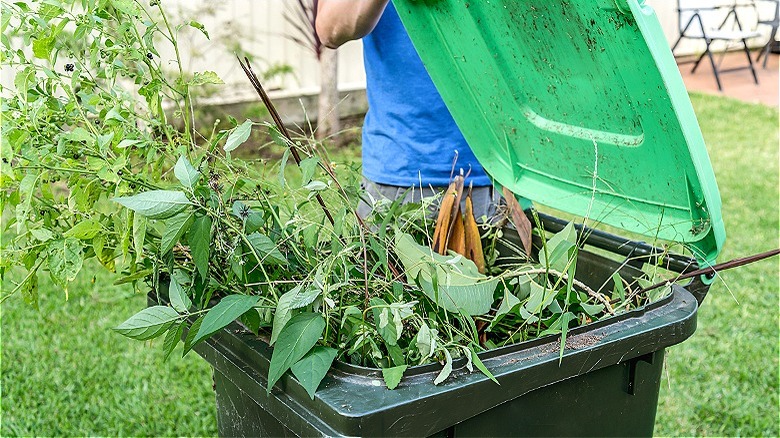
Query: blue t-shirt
point(408, 135)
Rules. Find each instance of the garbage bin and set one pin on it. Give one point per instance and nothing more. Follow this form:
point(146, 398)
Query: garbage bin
point(606, 384)
point(574, 105)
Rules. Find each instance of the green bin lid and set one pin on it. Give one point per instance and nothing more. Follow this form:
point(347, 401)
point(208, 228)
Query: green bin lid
point(576, 105)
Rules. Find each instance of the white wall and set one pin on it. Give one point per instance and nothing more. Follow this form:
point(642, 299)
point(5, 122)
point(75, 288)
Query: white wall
point(261, 29)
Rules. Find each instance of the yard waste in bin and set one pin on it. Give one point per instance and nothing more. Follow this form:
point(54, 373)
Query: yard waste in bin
point(578, 106)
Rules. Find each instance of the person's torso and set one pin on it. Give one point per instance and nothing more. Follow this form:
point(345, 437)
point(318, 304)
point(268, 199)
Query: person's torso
point(409, 135)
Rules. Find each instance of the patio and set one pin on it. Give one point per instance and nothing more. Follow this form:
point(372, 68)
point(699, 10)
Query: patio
point(737, 85)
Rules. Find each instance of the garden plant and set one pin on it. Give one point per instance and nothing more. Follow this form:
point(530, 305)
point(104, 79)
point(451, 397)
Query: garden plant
point(101, 159)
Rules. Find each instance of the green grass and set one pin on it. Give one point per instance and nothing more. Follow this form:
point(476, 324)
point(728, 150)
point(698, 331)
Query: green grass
point(724, 380)
point(65, 373)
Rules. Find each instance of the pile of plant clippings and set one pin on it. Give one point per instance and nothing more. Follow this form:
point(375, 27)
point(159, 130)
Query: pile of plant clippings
point(93, 167)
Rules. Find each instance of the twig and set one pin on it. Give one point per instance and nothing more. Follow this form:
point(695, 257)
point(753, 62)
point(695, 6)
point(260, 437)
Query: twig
point(716, 268)
point(247, 67)
point(279, 124)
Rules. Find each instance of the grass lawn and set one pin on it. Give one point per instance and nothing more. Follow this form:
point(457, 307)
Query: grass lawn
point(65, 373)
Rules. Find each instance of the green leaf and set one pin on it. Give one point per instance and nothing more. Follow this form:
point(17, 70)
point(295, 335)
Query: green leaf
point(296, 339)
point(134, 277)
point(393, 375)
point(618, 290)
point(453, 283)
point(115, 113)
point(252, 320)
point(42, 47)
point(446, 371)
point(266, 249)
point(127, 6)
point(315, 186)
point(253, 222)
point(47, 11)
point(42, 234)
point(383, 322)
point(312, 368)
point(126, 143)
point(178, 296)
point(84, 230)
point(305, 296)
point(295, 298)
point(426, 341)
point(156, 204)
point(139, 236)
point(185, 173)
point(65, 260)
point(189, 340)
point(30, 290)
point(175, 227)
point(283, 162)
point(308, 166)
point(148, 323)
point(225, 312)
point(555, 253)
point(238, 136)
point(171, 339)
point(26, 189)
point(480, 366)
point(206, 77)
point(592, 309)
point(199, 26)
point(508, 304)
point(539, 299)
point(199, 239)
point(564, 327)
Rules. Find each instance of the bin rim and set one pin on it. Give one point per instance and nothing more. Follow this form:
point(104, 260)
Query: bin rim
point(360, 405)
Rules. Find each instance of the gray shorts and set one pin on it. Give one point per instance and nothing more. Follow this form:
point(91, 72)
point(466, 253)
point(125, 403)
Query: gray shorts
point(485, 199)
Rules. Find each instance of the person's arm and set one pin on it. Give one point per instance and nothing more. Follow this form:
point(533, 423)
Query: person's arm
point(339, 21)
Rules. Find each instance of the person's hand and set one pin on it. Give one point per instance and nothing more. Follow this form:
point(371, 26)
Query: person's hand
point(339, 21)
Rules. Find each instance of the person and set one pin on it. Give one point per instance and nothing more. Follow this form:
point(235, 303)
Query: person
point(409, 137)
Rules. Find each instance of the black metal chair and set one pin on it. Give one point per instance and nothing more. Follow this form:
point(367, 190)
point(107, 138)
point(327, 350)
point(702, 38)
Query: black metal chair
point(696, 18)
point(773, 22)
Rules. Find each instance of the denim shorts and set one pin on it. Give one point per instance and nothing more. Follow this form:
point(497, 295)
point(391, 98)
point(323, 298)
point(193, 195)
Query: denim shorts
point(485, 199)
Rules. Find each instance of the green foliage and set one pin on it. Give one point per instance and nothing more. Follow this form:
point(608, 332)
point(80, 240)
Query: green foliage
point(94, 166)
point(238, 136)
point(156, 204)
point(735, 343)
point(148, 323)
point(225, 312)
point(454, 283)
point(311, 369)
point(393, 375)
point(298, 336)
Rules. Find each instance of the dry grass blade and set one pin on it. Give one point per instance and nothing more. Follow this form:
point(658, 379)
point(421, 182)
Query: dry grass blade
point(473, 239)
point(441, 231)
point(519, 220)
point(457, 241)
point(455, 211)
